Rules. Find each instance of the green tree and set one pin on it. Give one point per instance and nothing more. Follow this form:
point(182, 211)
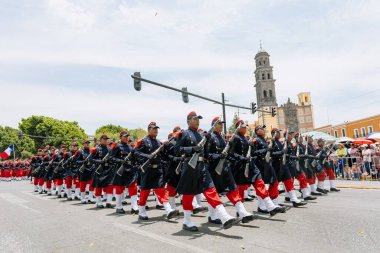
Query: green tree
point(113, 132)
point(138, 133)
point(59, 131)
point(231, 129)
point(9, 136)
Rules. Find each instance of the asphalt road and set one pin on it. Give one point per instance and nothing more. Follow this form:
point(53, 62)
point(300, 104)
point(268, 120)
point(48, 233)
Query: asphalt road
point(348, 221)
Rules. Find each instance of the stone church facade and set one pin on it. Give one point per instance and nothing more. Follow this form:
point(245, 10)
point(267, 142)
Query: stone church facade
point(291, 116)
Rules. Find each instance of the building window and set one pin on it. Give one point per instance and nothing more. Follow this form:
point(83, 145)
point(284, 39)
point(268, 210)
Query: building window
point(300, 112)
point(362, 130)
point(264, 62)
point(281, 120)
point(370, 129)
point(308, 119)
point(263, 76)
point(301, 120)
point(343, 132)
point(307, 110)
point(270, 93)
point(260, 63)
point(356, 133)
point(336, 133)
point(268, 76)
point(265, 93)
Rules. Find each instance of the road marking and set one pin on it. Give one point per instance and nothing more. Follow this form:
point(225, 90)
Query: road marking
point(13, 199)
point(159, 238)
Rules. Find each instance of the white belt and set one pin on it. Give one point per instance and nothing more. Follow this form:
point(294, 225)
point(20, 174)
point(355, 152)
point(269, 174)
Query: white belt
point(200, 159)
point(154, 166)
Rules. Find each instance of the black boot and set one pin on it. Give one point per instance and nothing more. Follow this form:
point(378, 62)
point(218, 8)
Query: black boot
point(310, 198)
point(334, 189)
point(216, 221)
point(262, 210)
point(191, 229)
point(120, 211)
point(298, 204)
point(279, 209)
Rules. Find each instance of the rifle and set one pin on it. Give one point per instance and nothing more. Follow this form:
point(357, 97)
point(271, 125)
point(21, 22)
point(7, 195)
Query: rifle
point(194, 159)
point(249, 156)
point(49, 165)
point(126, 159)
point(99, 170)
point(145, 166)
point(285, 150)
point(314, 162)
point(222, 160)
point(270, 146)
point(297, 155)
point(81, 169)
point(306, 155)
point(177, 170)
point(59, 164)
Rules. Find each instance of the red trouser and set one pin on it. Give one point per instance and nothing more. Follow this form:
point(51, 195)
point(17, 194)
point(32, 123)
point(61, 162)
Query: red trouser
point(171, 190)
point(302, 179)
point(107, 190)
point(161, 194)
point(83, 186)
point(259, 186)
point(321, 176)
point(48, 184)
point(132, 189)
point(330, 174)
point(273, 190)
point(119, 189)
point(289, 184)
point(35, 180)
point(69, 182)
point(234, 197)
point(41, 181)
point(311, 180)
point(211, 195)
point(58, 182)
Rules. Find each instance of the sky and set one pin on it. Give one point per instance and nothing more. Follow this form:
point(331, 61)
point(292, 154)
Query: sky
point(72, 59)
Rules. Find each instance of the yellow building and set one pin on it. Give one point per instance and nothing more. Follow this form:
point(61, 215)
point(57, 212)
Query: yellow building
point(353, 129)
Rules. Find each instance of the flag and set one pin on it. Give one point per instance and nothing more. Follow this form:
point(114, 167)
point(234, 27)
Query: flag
point(7, 152)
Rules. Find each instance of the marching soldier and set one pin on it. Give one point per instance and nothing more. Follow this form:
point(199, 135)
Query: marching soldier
point(86, 171)
point(58, 170)
point(103, 172)
point(71, 173)
point(283, 163)
point(312, 167)
point(327, 169)
point(262, 153)
point(48, 174)
point(195, 178)
point(298, 169)
point(224, 182)
point(34, 165)
point(253, 176)
point(122, 157)
point(282, 171)
point(172, 175)
point(153, 176)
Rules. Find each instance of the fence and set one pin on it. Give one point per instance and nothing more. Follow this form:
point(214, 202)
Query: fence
point(356, 168)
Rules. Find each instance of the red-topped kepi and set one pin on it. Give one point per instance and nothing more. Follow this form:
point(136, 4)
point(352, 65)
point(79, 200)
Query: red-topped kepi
point(153, 125)
point(240, 122)
point(217, 118)
point(193, 115)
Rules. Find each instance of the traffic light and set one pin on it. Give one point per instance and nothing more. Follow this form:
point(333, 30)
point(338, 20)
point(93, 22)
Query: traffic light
point(185, 96)
point(137, 82)
point(19, 135)
point(273, 111)
point(253, 108)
